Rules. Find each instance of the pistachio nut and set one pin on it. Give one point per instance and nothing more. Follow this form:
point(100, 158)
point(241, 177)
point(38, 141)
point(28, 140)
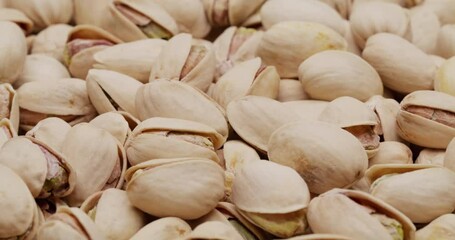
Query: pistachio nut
point(275, 11)
point(444, 80)
point(158, 137)
point(192, 188)
point(306, 109)
point(355, 117)
point(6, 131)
point(343, 7)
point(69, 223)
point(402, 66)
point(272, 197)
point(255, 118)
point(392, 152)
point(83, 42)
point(52, 40)
point(301, 145)
point(449, 156)
point(184, 60)
point(441, 228)
point(98, 159)
point(291, 90)
point(40, 67)
point(52, 131)
point(446, 37)
point(411, 187)
point(373, 17)
point(9, 106)
point(133, 59)
point(319, 237)
point(113, 214)
point(431, 156)
point(115, 123)
point(65, 98)
point(112, 91)
point(18, 17)
point(386, 109)
point(331, 74)
point(358, 215)
point(426, 119)
point(247, 78)
point(175, 99)
point(235, 45)
point(222, 13)
point(165, 228)
point(14, 51)
point(424, 26)
point(21, 217)
point(213, 230)
point(442, 8)
point(286, 53)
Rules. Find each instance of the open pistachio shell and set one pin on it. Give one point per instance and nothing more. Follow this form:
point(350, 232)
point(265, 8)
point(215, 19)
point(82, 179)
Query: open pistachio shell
point(51, 41)
point(183, 60)
point(222, 13)
point(112, 91)
point(442, 8)
point(373, 17)
point(255, 118)
point(18, 17)
point(291, 90)
point(301, 145)
point(192, 188)
point(18, 207)
point(287, 44)
point(425, 27)
point(163, 229)
point(444, 80)
point(69, 223)
point(445, 46)
point(113, 214)
point(386, 110)
point(9, 105)
point(247, 78)
point(133, 59)
point(431, 156)
point(175, 99)
point(45, 171)
point(330, 74)
point(442, 228)
point(275, 11)
point(115, 123)
point(392, 152)
point(98, 159)
point(52, 131)
point(306, 109)
point(358, 215)
point(213, 230)
point(6, 131)
point(426, 119)
point(14, 51)
point(40, 67)
point(411, 187)
point(402, 66)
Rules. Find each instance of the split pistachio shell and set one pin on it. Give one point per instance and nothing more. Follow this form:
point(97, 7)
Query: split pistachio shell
point(442, 8)
point(426, 119)
point(113, 214)
point(51, 41)
point(39, 67)
point(370, 18)
point(409, 188)
point(275, 11)
point(344, 158)
point(445, 77)
point(330, 74)
point(255, 118)
point(247, 78)
point(52, 131)
point(358, 215)
point(45, 171)
point(133, 59)
point(291, 90)
point(18, 207)
point(402, 66)
point(386, 110)
point(224, 13)
point(112, 91)
point(286, 44)
point(9, 105)
point(214, 230)
point(272, 197)
point(424, 25)
point(442, 228)
point(157, 138)
point(166, 228)
point(69, 223)
point(65, 98)
point(14, 51)
point(192, 188)
point(6, 131)
point(18, 17)
point(98, 159)
point(174, 99)
point(431, 156)
point(446, 37)
point(115, 123)
point(449, 157)
point(392, 152)
point(184, 60)
point(306, 109)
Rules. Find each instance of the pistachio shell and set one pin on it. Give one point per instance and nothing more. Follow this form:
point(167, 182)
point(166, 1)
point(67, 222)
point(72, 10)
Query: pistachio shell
point(343, 7)
point(52, 40)
point(214, 230)
point(39, 67)
point(392, 152)
point(330, 74)
point(349, 36)
point(10, 105)
point(402, 66)
point(14, 51)
point(237, 154)
point(320, 237)
point(192, 188)
point(18, 17)
point(163, 229)
point(307, 109)
point(444, 79)
point(440, 228)
point(301, 146)
point(291, 90)
point(113, 214)
point(442, 8)
point(386, 110)
point(115, 123)
point(449, 157)
point(234, 12)
point(52, 131)
point(6, 131)
point(425, 27)
point(286, 44)
point(431, 156)
point(445, 45)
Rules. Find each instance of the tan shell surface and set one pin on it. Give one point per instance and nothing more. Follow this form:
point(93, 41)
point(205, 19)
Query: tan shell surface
point(444, 79)
point(375, 172)
point(163, 229)
point(392, 152)
point(425, 27)
point(320, 237)
point(440, 228)
point(431, 156)
point(51, 41)
point(18, 17)
point(14, 53)
point(347, 112)
point(114, 123)
point(442, 8)
point(445, 46)
point(9, 133)
point(92, 32)
point(14, 117)
point(240, 10)
point(40, 67)
point(214, 230)
point(386, 109)
point(307, 109)
point(449, 157)
point(291, 90)
point(51, 131)
point(237, 154)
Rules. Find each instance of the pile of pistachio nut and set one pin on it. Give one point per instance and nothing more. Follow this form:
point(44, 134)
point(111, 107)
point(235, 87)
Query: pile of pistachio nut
point(227, 119)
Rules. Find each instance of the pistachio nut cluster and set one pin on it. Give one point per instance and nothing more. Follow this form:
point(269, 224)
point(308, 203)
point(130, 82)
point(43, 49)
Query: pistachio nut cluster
point(227, 119)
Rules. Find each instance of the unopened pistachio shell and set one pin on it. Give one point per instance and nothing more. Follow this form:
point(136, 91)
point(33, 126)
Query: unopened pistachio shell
point(214, 230)
point(425, 27)
point(442, 228)
point(392, 152)
point(39, 67)
point(14, 51)
point(165, 228)
point(444, 80)
point(445, 45)
point(291, 90)
point(51, 41)
point(307, 109)
point(115, 123)
point(442, 8)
